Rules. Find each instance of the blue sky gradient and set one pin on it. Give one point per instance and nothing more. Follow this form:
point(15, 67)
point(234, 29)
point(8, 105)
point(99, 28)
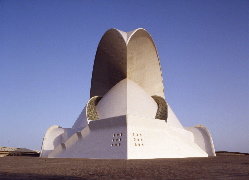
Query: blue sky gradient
point(47, 50)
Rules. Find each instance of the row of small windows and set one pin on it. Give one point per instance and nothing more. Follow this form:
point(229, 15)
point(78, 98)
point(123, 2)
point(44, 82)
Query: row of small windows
point(118, 134)
point(138, 144)
point(117, 144)
point(117, 138)
point(137, 134)
point(138, 139)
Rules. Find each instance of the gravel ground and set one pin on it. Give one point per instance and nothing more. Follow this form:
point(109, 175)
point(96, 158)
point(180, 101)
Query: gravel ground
point(220, 167)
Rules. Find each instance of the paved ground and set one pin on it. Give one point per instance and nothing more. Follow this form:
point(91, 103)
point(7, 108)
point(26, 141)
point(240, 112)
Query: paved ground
point(220, 167)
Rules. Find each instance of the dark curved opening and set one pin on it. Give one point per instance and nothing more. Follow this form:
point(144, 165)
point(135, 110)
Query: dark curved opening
point(162, 110)
point(91, 112)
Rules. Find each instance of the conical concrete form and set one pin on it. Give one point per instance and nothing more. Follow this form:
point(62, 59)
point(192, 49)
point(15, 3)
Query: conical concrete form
point(127, 116)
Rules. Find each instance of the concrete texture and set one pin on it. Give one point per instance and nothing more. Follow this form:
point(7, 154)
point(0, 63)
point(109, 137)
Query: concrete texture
point(127, 82)
point(220, 167)
point(131, 55)
point(124, 98)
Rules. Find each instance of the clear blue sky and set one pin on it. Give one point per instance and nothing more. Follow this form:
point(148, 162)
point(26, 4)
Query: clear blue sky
point(47, 50)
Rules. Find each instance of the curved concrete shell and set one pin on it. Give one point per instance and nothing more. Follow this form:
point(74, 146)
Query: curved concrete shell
point(133, 56)
point(127, 116)
point(143, 65)
point(110, 65)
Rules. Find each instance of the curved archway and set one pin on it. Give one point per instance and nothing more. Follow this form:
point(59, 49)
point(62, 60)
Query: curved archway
point(143, 66)
point(110, 63)
point(91, 111)
point(162, 110)
point(131, 55)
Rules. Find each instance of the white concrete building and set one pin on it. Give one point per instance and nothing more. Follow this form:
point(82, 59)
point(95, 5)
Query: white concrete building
point(127, 116)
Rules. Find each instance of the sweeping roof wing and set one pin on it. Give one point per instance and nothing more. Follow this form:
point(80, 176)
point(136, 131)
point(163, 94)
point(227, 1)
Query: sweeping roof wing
point(123, 55)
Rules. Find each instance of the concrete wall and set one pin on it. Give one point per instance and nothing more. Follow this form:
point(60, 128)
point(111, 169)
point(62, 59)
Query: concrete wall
point(203, 139)
point(104, 138)
point(150, 138)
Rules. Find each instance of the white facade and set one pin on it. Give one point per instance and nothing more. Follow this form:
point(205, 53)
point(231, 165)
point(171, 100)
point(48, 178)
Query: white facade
point(127, 116)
